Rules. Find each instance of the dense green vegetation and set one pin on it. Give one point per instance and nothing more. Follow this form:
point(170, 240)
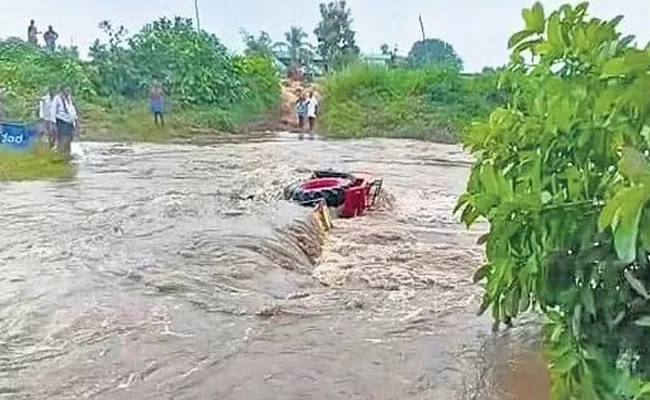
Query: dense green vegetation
point(433, 103)
point(224, 93)
point(563, 177)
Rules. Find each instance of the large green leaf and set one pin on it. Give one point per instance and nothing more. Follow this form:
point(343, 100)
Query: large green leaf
point(627, 229)
point(609, 216)
point(518, 37)
point(536, 22)
point(615, 66)
point(554, 32)
point(482, 273)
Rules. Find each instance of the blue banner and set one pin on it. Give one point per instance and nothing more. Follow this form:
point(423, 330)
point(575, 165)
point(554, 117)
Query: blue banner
point(17, 137)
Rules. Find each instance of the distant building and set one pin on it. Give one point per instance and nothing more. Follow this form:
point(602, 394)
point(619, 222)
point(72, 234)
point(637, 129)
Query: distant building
point(316, 65)
point(377, 59)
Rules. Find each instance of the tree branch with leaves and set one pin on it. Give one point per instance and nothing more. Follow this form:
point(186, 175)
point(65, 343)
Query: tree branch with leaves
point(562, 177)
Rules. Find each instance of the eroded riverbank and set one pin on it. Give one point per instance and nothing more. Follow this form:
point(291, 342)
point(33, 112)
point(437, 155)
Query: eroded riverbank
point(153, 275)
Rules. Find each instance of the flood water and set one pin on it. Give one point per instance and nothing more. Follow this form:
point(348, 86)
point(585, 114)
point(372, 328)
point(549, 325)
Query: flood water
point(175, 272)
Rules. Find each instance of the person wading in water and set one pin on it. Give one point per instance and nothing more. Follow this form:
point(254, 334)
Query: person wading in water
point(157, 103)
point(301, 110)
point(65, 114)
point(312, 111)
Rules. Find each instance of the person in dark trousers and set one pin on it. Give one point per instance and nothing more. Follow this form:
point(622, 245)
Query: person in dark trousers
point(301, 111)
point(65, 115)
point(50, 37)
point(157, 104)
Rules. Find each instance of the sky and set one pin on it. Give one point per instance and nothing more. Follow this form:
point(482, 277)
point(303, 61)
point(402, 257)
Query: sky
point(478, 29)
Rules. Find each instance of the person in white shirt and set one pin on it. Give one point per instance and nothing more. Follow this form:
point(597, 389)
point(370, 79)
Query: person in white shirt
point(46, 117)
point(65, 115)
point(312, 110)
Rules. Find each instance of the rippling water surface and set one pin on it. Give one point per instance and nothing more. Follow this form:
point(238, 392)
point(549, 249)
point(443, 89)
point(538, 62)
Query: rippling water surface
point(174, 272)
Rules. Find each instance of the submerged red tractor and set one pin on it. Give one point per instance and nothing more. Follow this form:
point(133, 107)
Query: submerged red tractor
point(350, 194)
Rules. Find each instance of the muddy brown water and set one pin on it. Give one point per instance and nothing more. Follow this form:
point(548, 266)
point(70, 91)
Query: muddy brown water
point(175, 272)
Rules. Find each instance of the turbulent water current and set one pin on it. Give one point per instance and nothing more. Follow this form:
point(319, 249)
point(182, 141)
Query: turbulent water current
point(176, 272)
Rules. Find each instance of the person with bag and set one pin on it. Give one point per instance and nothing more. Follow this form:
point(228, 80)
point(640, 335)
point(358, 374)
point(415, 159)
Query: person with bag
point(65, 115)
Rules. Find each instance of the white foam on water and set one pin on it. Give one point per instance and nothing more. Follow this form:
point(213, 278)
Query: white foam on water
point(77, 151)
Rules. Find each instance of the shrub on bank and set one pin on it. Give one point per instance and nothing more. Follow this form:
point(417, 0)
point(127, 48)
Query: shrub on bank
point(39, 163)
point(26, 71)
point(562, 175)
point(429, 103)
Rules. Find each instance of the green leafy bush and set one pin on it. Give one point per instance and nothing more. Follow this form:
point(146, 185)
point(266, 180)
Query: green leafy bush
point(562, 176)
point(432, 103)
point(194, 67)
point(260, 82)
point(26, 72)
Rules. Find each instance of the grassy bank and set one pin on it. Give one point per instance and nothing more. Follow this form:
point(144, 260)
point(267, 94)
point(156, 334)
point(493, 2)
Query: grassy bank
point(37, 164)
point(432, 104)
point(131, 121)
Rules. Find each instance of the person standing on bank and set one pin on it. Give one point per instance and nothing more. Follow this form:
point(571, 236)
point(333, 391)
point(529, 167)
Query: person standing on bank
point(157, 103)
point(46, 117)
point(32, 33)
point(65, 114)
point(312, 111)
point(50, 37)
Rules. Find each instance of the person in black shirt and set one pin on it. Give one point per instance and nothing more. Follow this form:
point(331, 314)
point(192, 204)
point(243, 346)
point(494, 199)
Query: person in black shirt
point(50, 37)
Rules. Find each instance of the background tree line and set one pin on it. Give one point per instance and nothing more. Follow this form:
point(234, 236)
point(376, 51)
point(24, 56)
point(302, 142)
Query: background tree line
point(336, 44)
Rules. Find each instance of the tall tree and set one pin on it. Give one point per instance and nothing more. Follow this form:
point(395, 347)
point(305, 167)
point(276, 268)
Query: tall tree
point(300, 50)
point(434, 51)
point(336, 38)
point(261, 45)
point(387, 51)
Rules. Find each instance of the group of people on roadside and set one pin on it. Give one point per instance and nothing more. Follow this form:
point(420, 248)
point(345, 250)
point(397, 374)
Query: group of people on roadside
point(50, 36)
point(307, 110)
point(58, 119)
